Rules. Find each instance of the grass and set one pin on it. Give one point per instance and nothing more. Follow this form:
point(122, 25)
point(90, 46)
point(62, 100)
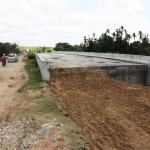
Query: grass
point(39, 98)
point(48, 105)
point(35, 101)
point(35, 80)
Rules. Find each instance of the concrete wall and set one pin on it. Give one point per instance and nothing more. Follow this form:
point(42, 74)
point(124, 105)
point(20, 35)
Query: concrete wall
point(130, 74)
point(124, 57)
point(137, 74)
point(148, 76)
point(42, 64)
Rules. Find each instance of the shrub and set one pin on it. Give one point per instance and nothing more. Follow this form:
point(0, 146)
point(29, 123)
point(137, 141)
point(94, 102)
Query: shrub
point(31, 56)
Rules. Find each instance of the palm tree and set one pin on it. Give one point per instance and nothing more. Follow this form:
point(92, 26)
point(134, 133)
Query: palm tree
point(128, 37)
point(134, 35)
point(140, 35)
point(121, 31)
point(85, 42)
point(114, 35)
point(107, 31)
point(125, 31)
point(93, 36)
point(122, 28)
point(117, 34)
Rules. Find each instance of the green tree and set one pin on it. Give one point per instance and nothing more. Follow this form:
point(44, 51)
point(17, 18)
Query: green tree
point(118, 42)
point(135, 48)
point(6, 48)
point(63, 47)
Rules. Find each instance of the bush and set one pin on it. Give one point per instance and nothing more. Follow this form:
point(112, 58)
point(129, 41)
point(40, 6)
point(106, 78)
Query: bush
point(145, 51)
point(31, 56)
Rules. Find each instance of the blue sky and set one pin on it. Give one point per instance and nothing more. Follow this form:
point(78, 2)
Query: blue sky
point(47, 22)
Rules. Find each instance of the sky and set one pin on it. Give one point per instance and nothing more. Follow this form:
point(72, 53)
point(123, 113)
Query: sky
point(47, 22)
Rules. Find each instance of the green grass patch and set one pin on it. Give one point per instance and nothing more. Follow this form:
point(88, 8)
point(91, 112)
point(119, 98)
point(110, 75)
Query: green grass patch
point(35, 80)
point(42, 101)
point(47, 104)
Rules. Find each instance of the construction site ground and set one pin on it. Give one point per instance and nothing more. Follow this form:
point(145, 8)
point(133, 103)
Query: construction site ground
point(112, 114)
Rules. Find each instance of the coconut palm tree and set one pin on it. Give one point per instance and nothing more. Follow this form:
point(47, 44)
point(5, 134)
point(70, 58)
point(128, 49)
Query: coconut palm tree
point(93, 36)
point(117, 34)
point(140, 35)
point(134, 36)
point(121, 31)
point(107, 31)
point(114, 35)
point(85, 43)
point(128, 37)
point(125, 31)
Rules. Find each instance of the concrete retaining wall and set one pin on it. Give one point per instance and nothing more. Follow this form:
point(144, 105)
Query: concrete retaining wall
point(136, 77)
point(130, 74)
point(124, 57)
point(136, 74)
point(42, 64)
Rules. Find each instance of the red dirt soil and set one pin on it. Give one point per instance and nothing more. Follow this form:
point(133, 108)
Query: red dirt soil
point(112, 114)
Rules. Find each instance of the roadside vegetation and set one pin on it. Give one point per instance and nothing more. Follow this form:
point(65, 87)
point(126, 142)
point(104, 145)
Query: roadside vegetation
point(6, 48)
point(38, 91)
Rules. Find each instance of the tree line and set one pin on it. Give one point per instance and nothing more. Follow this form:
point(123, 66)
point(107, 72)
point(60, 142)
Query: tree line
point(6, 48)
point(64, 46)
point(118, 41)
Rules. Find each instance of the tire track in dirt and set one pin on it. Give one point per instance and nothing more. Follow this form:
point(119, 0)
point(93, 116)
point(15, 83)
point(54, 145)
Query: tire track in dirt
point(12, 77)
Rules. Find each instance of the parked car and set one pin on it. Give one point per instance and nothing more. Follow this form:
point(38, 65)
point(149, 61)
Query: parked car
point(12, 57)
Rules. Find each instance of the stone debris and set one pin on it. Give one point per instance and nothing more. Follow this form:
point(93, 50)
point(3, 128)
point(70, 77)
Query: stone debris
point(46, 128)
point(20, 134)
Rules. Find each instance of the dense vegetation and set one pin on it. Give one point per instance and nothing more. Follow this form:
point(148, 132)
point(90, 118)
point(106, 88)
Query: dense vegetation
point(6, 48)
point(116, 42)
point(67, 47)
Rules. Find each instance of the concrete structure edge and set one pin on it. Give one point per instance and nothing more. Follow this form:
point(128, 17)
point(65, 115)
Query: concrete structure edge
point(42, 64)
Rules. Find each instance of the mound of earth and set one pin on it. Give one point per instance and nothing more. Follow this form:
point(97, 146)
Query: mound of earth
point(111, 113)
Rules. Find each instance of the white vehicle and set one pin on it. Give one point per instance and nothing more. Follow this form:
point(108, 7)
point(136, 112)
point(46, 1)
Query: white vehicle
point(12, 57)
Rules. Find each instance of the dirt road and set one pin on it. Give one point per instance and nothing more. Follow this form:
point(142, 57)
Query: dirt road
point(12, 76)
point(113, 115)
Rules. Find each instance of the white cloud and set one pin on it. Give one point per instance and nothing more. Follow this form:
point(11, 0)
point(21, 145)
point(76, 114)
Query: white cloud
point(46, 22)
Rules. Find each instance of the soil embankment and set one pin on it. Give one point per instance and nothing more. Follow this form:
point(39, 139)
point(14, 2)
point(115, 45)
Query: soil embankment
point(112, 114)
